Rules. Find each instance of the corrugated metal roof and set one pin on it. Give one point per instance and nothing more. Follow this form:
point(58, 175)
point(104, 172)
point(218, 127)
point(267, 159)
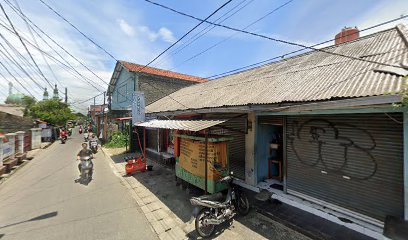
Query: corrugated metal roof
point(310, 76)
point(189, 125)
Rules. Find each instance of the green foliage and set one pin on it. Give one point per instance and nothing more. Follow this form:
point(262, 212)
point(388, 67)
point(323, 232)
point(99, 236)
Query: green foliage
point(27, 102)
point(52, 111)
point(118, 140)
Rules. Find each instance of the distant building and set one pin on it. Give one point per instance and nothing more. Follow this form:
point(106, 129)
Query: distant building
point(14, 98)
point(55, 96)
point(45, 95)
point(154, 82)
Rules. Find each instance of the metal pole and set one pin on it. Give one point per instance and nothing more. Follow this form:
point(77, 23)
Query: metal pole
point(66, 95)
point(206, 162)
point(103, 116)
point(144, 144)
point(92, 117)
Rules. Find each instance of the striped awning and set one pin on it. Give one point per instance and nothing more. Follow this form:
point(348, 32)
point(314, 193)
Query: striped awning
point(189, 125)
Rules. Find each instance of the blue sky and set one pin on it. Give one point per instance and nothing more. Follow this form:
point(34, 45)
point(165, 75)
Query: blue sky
point(137, 31)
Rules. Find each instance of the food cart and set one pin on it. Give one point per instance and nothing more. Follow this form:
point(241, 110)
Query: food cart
point(201, 158)
point(197, 152)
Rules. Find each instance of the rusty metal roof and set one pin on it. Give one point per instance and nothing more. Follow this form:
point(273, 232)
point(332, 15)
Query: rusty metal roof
point(311, 76)
point(189, 125)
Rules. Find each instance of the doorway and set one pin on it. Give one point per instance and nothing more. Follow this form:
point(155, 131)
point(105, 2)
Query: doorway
point(270, 153)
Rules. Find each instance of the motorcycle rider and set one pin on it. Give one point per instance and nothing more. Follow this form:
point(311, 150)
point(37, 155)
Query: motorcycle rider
point(63, 133)
point(92, 138)
point(85, 152)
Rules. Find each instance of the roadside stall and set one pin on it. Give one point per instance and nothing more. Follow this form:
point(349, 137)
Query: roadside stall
point(201, 158)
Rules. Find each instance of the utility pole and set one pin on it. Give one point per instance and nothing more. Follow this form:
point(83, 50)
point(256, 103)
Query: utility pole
point(66, 95)
point(94, 108)
point(103, 117)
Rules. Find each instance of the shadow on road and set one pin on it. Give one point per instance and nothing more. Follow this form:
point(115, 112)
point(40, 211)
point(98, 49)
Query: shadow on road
point(162, 183)
point(41, 217)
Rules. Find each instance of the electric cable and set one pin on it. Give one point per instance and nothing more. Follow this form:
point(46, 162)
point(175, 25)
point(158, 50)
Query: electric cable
point(205, 30)
point(25, 46)
point(23, 16)
point(231, 36)
point(268, 37)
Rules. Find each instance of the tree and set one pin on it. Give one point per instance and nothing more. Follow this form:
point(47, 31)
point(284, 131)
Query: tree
point(28, 101)
point(52, 111)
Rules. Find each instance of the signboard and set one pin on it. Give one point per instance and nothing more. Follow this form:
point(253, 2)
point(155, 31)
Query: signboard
point(138, 107)
point(192, 157)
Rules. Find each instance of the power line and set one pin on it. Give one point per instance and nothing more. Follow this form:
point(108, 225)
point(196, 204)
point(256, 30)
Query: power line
point(56, 60)
point(23, 16)
point(22, 42)
point(11, 58)
point(300, 50)
point(83, 34)
point(140, 69)
point(226, 39)
point(252, 79)
point(14, 79)
point(270, 38)
point(172, 45)
point(207, 29)
point(36, 43)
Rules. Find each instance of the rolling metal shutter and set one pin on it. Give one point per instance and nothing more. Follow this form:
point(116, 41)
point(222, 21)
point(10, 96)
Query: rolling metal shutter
point(236, 128)
point(353, 161)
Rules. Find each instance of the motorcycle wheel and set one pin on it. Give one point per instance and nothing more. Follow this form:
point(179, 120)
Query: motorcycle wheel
point(242, 205)
point(205, 231)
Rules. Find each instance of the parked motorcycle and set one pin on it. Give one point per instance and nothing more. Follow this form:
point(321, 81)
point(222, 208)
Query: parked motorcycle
point(86, 169)
point(212, 210)
point(93, 145)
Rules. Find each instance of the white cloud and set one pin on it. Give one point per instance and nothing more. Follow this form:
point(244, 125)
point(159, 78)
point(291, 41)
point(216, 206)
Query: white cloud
point(143, 31)
point(126, 28)
point(167, 35)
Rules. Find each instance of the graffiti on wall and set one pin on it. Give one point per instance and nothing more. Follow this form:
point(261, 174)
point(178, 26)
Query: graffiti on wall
point(335, 148)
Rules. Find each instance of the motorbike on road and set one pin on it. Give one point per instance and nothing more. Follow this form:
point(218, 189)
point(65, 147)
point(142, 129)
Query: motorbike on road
point(63, 139)
point(212, 210)
point(86, 169)
point(86, 136)
point(93, 144)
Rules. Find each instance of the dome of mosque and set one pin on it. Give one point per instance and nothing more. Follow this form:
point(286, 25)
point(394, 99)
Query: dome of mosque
point(15, 98)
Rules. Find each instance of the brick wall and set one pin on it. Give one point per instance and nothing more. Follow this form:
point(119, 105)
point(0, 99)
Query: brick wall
point(156, 88)
point(11, 123)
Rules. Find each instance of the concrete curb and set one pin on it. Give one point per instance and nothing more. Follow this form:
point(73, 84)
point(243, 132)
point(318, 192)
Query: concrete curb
point(162, 220)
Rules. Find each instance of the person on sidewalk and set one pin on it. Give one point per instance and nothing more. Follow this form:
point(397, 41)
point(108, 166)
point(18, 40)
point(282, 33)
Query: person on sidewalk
point(85, 152)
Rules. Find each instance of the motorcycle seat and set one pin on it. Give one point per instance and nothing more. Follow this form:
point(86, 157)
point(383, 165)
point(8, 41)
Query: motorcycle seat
point(213, 197)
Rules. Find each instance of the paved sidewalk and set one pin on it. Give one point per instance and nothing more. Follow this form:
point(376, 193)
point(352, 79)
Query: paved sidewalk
point(167, 207)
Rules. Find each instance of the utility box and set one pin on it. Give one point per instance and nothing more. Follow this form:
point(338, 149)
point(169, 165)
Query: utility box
point(190, 164)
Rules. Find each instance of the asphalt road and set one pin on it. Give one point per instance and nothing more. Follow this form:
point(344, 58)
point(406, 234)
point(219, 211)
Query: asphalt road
point(42, 201)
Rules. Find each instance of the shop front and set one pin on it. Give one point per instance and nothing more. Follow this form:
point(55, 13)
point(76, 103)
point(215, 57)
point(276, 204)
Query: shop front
point(201, 157)
point(352, 163)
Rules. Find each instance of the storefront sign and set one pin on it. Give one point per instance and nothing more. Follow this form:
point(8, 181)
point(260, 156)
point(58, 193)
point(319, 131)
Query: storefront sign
point(138, 107)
